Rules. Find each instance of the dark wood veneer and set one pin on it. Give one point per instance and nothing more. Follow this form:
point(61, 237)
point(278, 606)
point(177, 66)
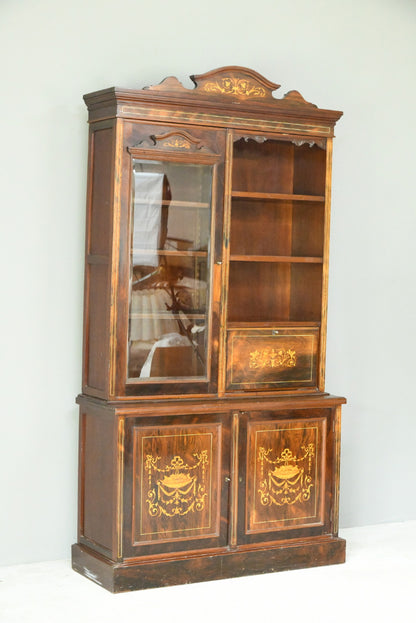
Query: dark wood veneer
point(207, 566)
point(208, 446)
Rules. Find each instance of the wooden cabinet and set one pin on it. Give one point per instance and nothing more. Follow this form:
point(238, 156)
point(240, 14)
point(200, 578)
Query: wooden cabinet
point(208, 445)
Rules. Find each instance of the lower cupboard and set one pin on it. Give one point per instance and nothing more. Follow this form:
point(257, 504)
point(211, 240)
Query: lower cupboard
point(173, 493)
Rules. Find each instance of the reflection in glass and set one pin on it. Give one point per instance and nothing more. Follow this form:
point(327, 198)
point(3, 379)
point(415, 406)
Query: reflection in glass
point(171, 221)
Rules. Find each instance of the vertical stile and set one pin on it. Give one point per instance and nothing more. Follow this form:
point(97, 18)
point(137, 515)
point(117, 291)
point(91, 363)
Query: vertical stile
point(322, 345)
point(115, 250)
point(290, 236)
point(120, 485)
point(337, 464)
point(234, 481)
point(225, 260)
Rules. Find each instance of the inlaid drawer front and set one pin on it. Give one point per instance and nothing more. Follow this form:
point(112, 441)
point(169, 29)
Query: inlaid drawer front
point(176, 482)
point(270, 358)
point(285, 474)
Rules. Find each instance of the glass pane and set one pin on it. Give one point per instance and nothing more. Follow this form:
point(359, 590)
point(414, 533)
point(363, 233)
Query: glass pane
point(171, 222)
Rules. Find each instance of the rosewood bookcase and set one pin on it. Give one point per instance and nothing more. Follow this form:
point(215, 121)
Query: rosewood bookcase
point(209, 447)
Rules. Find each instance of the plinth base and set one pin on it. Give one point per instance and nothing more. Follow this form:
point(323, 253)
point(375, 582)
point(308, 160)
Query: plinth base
point(118, 577)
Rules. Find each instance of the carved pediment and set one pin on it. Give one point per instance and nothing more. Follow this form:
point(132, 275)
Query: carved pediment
point(232, 83)
point(238, 82)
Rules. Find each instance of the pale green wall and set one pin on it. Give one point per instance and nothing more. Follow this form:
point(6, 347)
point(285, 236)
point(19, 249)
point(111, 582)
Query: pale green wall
point(358, 56)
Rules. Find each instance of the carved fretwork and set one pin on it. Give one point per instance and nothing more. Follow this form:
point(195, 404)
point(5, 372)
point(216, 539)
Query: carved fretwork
point(258, 139)
point(318, 142)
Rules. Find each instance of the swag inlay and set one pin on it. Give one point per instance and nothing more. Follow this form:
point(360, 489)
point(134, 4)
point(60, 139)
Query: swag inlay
point(286, 479)
point(179, 489)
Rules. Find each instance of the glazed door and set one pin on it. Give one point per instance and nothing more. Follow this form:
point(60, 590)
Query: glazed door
point(176, 484)
point(174, 261)
point(285, 468)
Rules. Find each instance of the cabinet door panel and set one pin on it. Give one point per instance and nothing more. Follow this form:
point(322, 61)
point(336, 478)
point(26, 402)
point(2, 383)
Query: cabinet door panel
point(286, 464)
point(176, 497)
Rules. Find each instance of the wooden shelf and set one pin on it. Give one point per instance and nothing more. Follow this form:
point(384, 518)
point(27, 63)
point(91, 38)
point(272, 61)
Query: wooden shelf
point(276, 258)
point(168, 253)
point(168, 315)
point(237, 194)
point(174, 204)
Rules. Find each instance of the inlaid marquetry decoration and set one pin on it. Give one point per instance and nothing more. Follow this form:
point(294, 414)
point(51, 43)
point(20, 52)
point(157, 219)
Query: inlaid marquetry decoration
point(175, 494)
point(177, 140)
point(285, 479)
point(273, 358)
point(234, 86)
point(236, 82)
point(178, 488)
point(286, 483)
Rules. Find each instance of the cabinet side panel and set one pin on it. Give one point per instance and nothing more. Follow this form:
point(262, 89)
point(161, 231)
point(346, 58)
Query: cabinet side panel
point(98, 256)
point(101, 191)
point(98, 326)
point(98, 476)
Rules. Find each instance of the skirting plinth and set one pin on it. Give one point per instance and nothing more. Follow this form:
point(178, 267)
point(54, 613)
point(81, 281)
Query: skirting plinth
point(124, 576)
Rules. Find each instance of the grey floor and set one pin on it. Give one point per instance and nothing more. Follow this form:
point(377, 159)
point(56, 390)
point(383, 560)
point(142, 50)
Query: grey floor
point(377, 584)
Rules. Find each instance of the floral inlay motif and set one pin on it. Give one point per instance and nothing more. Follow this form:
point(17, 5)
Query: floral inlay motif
point(273, 358)
point(235, 86)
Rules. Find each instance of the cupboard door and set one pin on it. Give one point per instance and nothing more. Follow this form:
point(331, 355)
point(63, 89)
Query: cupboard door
point(176, 471)
point(286, 491)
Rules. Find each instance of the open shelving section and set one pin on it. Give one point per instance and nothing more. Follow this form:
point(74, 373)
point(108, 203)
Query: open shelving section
point(277, 228)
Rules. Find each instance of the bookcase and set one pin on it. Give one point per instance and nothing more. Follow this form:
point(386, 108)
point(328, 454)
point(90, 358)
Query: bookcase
point(209, 447)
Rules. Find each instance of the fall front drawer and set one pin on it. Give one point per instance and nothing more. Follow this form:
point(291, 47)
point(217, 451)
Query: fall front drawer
point(279, 357)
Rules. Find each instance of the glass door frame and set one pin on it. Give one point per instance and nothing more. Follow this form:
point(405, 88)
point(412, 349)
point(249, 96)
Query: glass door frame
point(181, 385)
